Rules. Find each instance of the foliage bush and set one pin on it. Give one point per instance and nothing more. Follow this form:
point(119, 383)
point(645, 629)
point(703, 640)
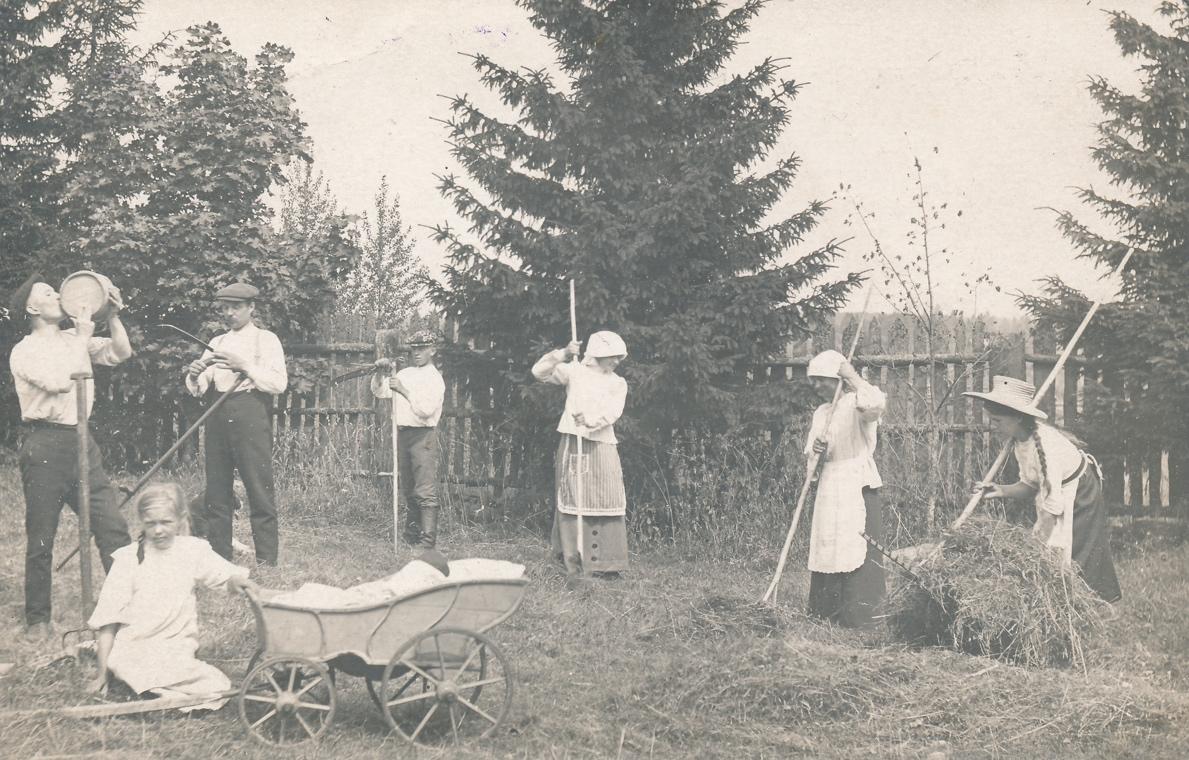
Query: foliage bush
point(161, 161)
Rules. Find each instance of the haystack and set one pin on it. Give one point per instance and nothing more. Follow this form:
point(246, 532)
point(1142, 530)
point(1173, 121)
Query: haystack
point(993, 590)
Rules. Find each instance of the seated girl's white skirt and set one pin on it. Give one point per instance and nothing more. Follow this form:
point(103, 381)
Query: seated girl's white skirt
point(166, 668)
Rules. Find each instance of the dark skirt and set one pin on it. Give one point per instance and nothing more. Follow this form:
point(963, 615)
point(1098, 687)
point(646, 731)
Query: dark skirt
point(850, 599)
point(1091, 538)
point(604, 543)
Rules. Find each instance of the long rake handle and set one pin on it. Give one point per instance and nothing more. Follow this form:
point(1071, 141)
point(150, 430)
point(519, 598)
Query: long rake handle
point(395, 478)
point(1000, 460)
point(165, 457)
point(581, 496)
point(84, 490)
point(120, 708)
point(811, 470)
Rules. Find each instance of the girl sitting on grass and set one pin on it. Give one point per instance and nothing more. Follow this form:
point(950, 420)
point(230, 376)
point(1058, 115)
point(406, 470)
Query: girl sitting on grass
point(146, 618)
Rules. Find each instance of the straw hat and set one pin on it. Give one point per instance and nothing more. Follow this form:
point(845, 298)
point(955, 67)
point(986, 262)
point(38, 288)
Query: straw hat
point(825, 364)
point(1012, 393)
point(605, 343)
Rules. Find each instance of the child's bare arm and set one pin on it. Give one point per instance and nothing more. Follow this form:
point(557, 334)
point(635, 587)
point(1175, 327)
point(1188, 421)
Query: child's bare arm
point(103, 641)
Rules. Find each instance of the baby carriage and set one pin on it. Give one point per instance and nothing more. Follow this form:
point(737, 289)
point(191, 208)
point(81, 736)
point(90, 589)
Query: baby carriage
point(428, 662)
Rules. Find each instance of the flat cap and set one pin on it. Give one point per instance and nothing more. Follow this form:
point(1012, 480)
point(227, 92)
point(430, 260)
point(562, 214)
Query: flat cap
point(423, 338)
point(237, 291)
point(20, 297)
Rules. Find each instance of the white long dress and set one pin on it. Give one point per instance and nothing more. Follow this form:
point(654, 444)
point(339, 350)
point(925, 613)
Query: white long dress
point(836, 543)
point(155, 606)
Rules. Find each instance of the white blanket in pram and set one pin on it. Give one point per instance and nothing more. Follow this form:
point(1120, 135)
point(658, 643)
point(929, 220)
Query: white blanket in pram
point(413, 577)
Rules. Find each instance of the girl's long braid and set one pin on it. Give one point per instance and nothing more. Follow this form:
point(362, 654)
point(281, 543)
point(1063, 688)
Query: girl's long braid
point(140, 549)
point(1045, 488)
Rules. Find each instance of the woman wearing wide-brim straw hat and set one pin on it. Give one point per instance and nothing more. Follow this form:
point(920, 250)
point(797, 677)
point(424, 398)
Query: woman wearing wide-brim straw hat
point(1063, 482)
point(846, 581)
point(588, 449)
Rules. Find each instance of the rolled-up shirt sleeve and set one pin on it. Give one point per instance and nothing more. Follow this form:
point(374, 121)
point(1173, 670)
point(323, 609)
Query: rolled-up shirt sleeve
point(553, 368)
point(102, 352)
point(49, 376)
point(870, 402)
point(426, 397)
point(270, 374)
point(611, 405)
point(379, 384)
point(197, 384)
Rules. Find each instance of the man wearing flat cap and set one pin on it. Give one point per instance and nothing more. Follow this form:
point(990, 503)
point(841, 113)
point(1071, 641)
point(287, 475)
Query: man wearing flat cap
point(42, 365)
point(420, 393)
point(239, 435)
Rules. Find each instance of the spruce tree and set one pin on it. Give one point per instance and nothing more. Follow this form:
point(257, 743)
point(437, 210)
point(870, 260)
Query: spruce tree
point(643, 172)
point(1140, 342)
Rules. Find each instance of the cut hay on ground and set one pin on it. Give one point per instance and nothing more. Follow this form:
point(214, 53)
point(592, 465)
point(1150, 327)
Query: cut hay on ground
point(994, 591)
point(772, 689)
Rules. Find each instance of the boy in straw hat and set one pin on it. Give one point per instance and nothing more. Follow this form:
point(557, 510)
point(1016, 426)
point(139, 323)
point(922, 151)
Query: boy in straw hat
point(239, 436)
point(595, 398)
point(846, 583)
point(420, 393)
point(1063, 481)
point(42, 365)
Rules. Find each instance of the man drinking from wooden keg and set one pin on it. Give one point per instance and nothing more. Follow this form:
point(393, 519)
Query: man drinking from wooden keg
point(42, 365)
point(239, 435)
point(420, 392)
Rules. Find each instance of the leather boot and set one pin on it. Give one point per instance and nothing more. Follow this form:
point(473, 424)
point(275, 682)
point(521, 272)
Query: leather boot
point(429, 529)
point(412, 527)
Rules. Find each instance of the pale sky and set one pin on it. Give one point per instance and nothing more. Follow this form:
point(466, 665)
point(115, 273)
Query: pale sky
point(991, 95)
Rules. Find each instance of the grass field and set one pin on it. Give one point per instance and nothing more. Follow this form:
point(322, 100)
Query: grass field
point(674, 660)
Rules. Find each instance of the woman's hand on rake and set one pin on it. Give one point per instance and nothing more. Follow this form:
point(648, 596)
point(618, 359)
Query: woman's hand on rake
point(989, 490)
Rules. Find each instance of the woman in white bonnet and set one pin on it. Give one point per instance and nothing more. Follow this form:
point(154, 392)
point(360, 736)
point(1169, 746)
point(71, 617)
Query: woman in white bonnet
point(595, 398)
point(846, 581)
point(1063, 482)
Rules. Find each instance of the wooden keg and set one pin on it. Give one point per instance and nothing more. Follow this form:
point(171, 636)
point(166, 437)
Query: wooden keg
point(86, 289)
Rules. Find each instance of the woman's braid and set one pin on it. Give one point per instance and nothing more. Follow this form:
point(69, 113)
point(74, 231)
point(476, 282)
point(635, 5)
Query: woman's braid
point(1045, 488)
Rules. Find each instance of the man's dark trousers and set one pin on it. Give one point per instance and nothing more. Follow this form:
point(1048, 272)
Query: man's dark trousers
point(239, 437)
point(49, 476)
point(419, 483)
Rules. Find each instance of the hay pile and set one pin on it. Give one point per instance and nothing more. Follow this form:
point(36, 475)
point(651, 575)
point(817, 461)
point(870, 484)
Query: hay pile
point(994, 591)
point(718, 615)
point(765, 692)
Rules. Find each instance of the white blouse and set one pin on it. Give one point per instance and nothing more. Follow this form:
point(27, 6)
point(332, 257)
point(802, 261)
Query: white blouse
point(1062, 461)
point(599, 396)
point(836, 543)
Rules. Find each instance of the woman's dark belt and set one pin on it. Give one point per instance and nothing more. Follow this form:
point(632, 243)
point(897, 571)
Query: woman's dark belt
point(46, 425)
point(1087, 459)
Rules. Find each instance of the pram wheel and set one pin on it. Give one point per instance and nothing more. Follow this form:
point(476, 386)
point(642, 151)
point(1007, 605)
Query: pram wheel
point(432, 686)
point(287, 700)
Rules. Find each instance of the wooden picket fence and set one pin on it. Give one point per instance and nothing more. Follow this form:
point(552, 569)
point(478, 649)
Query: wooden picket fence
point(893, 352)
